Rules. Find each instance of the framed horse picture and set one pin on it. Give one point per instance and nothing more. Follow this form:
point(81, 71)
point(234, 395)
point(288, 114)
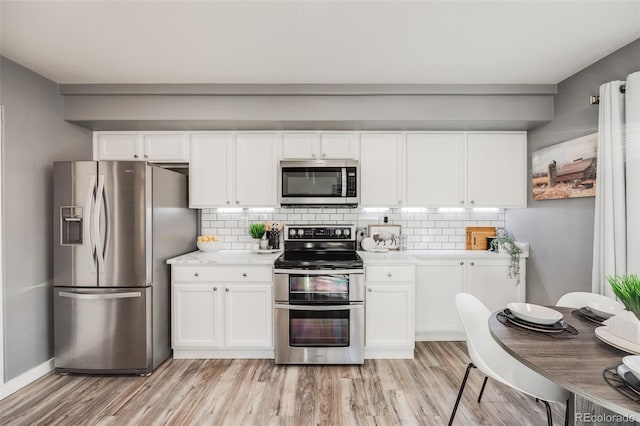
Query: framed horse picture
point(385, 235)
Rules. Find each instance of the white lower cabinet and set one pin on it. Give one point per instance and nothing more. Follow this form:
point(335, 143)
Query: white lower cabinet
point(222, 311)
point(389, 311)
point(439, 280)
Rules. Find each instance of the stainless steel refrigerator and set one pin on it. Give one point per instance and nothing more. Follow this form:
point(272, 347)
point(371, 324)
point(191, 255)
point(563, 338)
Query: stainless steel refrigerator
point(115, 224)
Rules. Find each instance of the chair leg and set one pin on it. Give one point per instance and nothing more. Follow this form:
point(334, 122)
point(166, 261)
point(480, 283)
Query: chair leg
point(549, 418)
point(482, 388)
point(462, 385)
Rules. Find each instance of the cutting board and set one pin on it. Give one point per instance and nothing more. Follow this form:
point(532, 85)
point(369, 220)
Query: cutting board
point(477, 236)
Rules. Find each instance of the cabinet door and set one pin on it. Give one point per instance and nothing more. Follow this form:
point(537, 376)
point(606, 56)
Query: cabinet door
point(389, 315)
point(196, 316)
point(297, 146)
point(380, 178)
point(119, 147)
point(497, 169)
point(255, 170)
point(437, 283)
point(248, 315)
point(338, 146)
point(436, 169)
point(489, 281)
point(210, 170)
point(170, 147)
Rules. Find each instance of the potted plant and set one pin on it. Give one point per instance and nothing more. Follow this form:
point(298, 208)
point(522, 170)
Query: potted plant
point(503, 243)
point(626, 287)
point(256, 231)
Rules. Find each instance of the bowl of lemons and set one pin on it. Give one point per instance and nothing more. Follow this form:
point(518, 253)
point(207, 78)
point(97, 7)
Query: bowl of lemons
point(208, 243)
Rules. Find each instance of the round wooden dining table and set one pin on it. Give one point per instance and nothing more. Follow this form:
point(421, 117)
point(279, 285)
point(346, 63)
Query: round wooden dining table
point(576, 363)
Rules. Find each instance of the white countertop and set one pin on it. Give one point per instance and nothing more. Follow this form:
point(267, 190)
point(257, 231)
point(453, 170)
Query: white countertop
point(409, 257)
point(225, 257)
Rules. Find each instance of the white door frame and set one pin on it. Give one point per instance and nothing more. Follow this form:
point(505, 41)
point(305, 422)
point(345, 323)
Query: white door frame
point(2, 376)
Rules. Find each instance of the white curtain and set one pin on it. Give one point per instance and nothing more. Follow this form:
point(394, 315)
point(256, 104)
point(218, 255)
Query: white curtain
point(610, 230)
point(617, 190)
point(632, 102)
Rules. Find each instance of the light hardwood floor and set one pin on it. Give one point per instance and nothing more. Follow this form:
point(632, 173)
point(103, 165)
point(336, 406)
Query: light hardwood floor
point(257, 392)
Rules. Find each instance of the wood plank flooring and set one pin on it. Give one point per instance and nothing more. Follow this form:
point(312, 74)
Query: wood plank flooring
point(421, 391)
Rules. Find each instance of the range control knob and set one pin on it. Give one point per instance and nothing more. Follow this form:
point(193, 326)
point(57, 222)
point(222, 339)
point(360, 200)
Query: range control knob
point(292, 232)
point(347, 232)
point(300, 232)
point(338, 232)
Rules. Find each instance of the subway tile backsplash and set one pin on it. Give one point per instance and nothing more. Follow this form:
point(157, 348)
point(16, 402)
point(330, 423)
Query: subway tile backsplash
point(435, 229)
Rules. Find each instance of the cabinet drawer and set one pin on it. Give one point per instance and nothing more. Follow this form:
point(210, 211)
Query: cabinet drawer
point(222, 274)
point(384, 273)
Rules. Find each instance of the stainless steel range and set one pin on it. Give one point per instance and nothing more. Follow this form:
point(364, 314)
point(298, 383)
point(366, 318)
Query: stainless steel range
point(319, 297)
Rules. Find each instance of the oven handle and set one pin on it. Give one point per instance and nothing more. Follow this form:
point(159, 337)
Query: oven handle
point(358, 305)
point(318, 271)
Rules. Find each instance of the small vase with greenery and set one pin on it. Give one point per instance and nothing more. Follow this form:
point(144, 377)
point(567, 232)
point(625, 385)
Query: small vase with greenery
point(626, 287)
point(257, 230)
point(505, 243)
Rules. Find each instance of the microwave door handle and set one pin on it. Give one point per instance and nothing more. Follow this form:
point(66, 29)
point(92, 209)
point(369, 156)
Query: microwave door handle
point(344, 182)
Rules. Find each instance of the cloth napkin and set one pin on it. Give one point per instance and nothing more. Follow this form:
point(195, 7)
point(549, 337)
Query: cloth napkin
point(625, 325)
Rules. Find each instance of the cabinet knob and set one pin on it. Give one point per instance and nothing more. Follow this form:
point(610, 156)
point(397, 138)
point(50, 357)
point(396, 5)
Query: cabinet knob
point(227, 202)
point(369, 289)
point(461, 263)
point(135, 155)
point(227, 289)
point(461, 201)
point(196, 274)
point(472, 263)
point(215, 289)
point(244, 274)
point(313, 155)
point(472, 202)
point(389, 274)
point(324, 155)
point(237, 202)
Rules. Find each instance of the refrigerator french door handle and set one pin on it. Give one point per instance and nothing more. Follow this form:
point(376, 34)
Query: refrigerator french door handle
point(96, 224)
point(92, 296)
point(107, 223)
point(87, 221)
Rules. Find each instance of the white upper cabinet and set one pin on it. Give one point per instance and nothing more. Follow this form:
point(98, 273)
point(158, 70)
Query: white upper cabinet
point(255, 165)
point(380, 170)
point(118, 146)
point(466, 169)
point(233, 170)
point(210, 170)
point(436, 169)
point(165, 147)
point(497, 169)
point(319, 146)
point(152, 146)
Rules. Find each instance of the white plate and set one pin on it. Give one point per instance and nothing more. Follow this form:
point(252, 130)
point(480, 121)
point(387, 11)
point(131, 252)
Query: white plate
point(368, 244)
point(606, 309)
point(534, 313)
point(633, 363)
point(265, 251)
point(605, 335)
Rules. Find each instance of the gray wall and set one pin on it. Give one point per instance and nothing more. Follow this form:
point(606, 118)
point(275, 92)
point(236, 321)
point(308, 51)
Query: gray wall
point(34, 136)
point(560, 232)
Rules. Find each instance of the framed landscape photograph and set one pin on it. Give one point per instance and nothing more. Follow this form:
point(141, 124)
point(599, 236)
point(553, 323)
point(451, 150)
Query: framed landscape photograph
point(565, 170)
point(385, 235)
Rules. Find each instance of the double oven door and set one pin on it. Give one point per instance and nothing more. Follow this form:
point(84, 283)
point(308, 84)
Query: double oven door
point(319, 317)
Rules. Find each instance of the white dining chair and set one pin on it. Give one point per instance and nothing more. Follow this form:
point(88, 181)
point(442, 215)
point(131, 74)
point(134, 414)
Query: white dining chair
point(580, 299)
point(493, 361)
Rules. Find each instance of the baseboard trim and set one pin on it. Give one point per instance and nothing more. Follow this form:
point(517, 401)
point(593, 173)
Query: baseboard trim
point(25, 378)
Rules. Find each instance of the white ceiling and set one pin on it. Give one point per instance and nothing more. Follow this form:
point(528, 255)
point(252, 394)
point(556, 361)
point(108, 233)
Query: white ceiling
point(386, 42)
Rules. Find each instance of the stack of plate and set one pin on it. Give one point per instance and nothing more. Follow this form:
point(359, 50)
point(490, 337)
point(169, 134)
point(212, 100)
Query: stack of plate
point(604, 334)
point(535, 317)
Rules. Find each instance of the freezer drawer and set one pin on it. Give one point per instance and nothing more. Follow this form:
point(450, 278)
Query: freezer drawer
point(103, 330)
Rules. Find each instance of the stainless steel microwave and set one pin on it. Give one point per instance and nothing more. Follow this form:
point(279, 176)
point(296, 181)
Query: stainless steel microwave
point(319, 183)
